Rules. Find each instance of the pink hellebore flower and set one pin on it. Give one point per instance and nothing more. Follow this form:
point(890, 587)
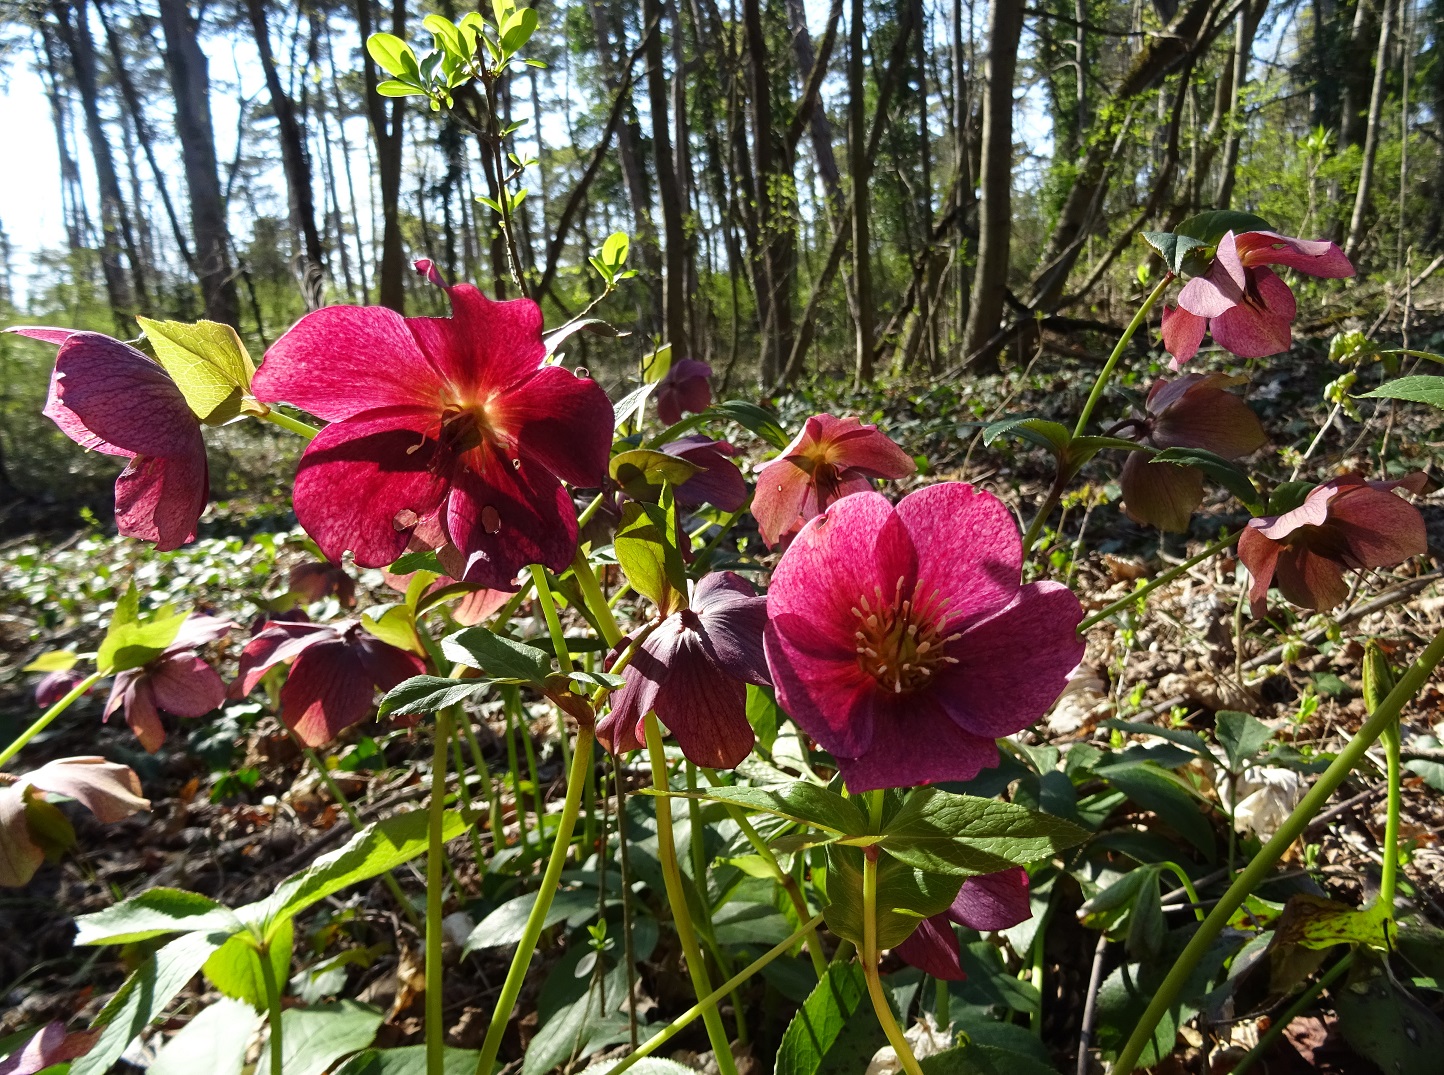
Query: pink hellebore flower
point(1191, 411)
point(178, 681)
point(452, 429)
point(718, 483)
point(988, 902)
point(683, 389)
point(1344, 524)
point(1241, 301)
point(54, 686)
point(107, 396)
point(829, 459)
point(109, 791)
point(335, 673)
point(901, 639)
point(693, 672)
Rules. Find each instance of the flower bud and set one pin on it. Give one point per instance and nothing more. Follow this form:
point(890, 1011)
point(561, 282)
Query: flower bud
point(1379, 678)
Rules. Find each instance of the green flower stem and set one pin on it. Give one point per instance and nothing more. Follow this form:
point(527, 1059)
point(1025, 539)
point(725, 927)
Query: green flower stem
point(1188, 889)
point(595, 599)
point(289, 424)
point(536, 921)
point(1055, 494)
point(388, 878)
point(677, 897)
point(493, 795)
point(942, 1010)
point(554, 624)
point(1292, 1012)
point(1257, 870)
point(1390, 879)
point(1161, 580)
point(1106, 374)
point(273, 1009)
point(709, 1002)
point(590, 510)
point(45, 719)
point(435, 883)
point(869, 966)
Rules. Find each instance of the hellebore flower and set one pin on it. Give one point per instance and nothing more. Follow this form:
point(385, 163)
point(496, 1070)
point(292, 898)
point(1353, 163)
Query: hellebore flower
point(178, 681)
point(693, 671)
point(452, 429)
point(50, 1046)
point(829, 459)
point(317, 579)
point(718, 483)
point(1246, 306)
point(107, 396)
point(1192, 411)
point(990, 901)
point(54, 686)
point(335, 671)
point(684, 389)
point(1347, 524)
point(901, 640)
point(111, 792)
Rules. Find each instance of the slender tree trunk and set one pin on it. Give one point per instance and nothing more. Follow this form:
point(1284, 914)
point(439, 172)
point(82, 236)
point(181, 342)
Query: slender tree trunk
point(387, 127)
point(346, 167)
point(674, 304)
point(190, 84)
point(72, 193)
point(995, 222)
point(857, 166)
point(774, 246)
point(1371, 137)
point(310, 260)
point(1354, 74)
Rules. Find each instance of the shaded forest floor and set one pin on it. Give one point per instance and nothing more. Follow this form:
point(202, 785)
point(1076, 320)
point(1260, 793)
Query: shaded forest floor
point(235, 807)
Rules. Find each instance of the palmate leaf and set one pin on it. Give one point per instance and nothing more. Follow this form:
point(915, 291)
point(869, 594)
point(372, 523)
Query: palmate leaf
point(799, 801)
point(831, 1032)
point(962, 835)
point(207, 361)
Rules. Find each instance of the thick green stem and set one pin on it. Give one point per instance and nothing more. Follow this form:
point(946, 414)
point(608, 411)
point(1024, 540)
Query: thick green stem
point(273, 1010)
point(45, 719)
point(1390, 878)
point(595, 599)
point(880, 1003)
point(1154, 583)
point(435, 884)
point(536, 921)
point(677, 897)
point(1257, 870)
point(709, 1002)
point(554, 624)
point(289, 424)
point(1106, 374)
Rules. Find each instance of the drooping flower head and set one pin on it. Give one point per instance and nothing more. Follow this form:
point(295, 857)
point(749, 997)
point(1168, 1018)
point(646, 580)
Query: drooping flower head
point(987, 902)
point(1347, 524)
point(901, 639)
point(1243, 302)
point(449, 429)
point(178, 680)
point(109, 791)
point(335, 671)
point(693, 671)
point(684, 389)
point(829, 459)
point(1191, 411)
point(108, 397)
point(54, 686)
point(315, 580)
point(718, 483)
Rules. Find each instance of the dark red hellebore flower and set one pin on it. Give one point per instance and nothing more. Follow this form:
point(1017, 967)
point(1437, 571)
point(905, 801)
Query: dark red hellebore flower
point(107, 396)
point(178, 681)
point(718, 483)
point(693, 671)
point(335, 671)
point(683, 389)
point(451, 429)
point(1347, 524)
point(1192, 411)
point(988, 902)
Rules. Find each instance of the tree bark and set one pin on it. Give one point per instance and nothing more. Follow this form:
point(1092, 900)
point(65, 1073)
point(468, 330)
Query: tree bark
point(1372, 135)
point(774, 247)
point(674, 298)
point(857, 166)
point(990, 277)
point(310, 260)
point(190, 84)
point(387, 127)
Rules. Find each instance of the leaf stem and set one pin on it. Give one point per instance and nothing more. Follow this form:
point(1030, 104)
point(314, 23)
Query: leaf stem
point(1293, 827)
point(1106, 374)
point(45, 719)
point(677, 897)
point(536, 921)
point(595, 599)
point(1292, 1012)
point(291, 425)
point(788, 883)
point(435, 884)
point(1390, 878)
point(554, 624)
point(273, 1009)
point(880, 1003)
point(1161, 580)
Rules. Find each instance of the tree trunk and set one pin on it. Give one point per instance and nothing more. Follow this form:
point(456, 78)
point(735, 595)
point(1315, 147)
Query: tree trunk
point(674, 300)
point(857, 166)
point(387, 127)
point(774, 245)
point(1371, 137)
point(310, 260)
point(1354, 74)
point(190, 84)
point(72, 192)
point(990, 277)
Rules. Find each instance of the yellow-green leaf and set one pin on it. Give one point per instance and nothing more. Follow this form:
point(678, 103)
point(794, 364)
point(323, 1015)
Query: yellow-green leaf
point(207, 361)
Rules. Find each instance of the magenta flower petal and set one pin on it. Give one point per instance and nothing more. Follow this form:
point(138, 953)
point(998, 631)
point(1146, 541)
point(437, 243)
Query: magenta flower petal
point(326, 692)
point(186, 686)
point(341, 360)
point(993, 901)
point(974, 553)
point(818, 676)
point(780, 501)
point(276, 643)
point(1195, 411)
point(1322, 259)
point(1378, 528)
point(109, 791)
point(917, 742)
point(141, 712)
point(1221, 288)
point(54, 686)
point(1310, 580)
point(719, 482)
point(563, 422)
point(1260, 326)
point(485, 345)
point(933, 949)
point(1182, 333)
point(508, 517)
point(161, 500)
point(1260, 555)
point(51, 1046)
point(364, 484)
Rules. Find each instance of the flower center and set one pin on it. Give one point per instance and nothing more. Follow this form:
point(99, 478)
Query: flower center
point(900, 640)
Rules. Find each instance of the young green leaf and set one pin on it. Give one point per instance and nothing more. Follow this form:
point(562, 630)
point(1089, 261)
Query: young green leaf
point(394, 56)
point(1242, 736)
point(428, 694)
point(647, 552)
point(501, 659)
point(1419, 388)
point(962, 835)
point(154, 913)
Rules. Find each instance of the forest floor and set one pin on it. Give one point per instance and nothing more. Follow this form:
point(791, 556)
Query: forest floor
point(235, 806)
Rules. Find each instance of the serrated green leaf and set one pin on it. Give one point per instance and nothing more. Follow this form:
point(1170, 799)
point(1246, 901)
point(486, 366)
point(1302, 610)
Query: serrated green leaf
point(962, 835)
point(807, 804)
point(1155, 789)
point(1209, 227)
point(1054, 436)
point(207, 361)
point(752, 417)
point(641, 472)
point(1172, 247)
point(1420, 388)
point(646, 549)
point(428, 694)
point(154, 913)
point(506, 925)
point(501, 659)
point(314, 1039)
point(236, 970)
point(831, 1032)
point(1241, 735)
